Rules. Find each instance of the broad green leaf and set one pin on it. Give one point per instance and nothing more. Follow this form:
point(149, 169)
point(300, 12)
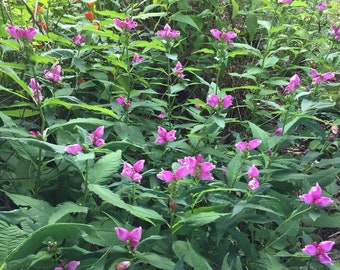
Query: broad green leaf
point(235, 8)
point(59, 101)
point(160, 262)
point(154, 44)
point(104, 168)
point(307, 105)
point(241, 205)
point(38, 143)
point(252, 25)
point(234, 168)
point(184, 19)
point(190, 256)
point(112, 198)
point(259, 133)
point(64, 209)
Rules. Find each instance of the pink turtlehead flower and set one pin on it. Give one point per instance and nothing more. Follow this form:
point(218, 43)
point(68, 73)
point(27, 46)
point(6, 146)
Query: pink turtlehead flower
point(35, 134)
point(215, 101)
point(284, 1)
point(161, 115)
point(226, 36)
point(137, 59)
point(132, 237)
point(73, 149)
point(320, 251)
point(253, 184)
point(253, 172)
point(178, 70)
point(96, 136)
point(127, 23)
point(322, 6)
point(314, 197)
point(320, 78)
point(36, 90)
point(53, 74)
point(18, 33)
point(123, 265)
point(278, 131)
point(252, 144)
point(122, 101)
point(169, 176)
point(133, 171)
point(167, 32)
point(335, 32)
point(294, 82)
point(197, 167)
point(72, 265)
point(165, 136)
point(78, 39)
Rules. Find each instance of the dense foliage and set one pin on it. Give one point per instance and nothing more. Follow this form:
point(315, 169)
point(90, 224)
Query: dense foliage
point(169, 135)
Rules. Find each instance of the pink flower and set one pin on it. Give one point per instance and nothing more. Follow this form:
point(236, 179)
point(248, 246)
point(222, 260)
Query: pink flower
point(78, 39)
point(253, 184)
point(227, 36)
point(133, 171)
point(122, 101)
point(284, 1)
point(167, 32)
point(96, 136)
point(294, 82)
point(35, 134)
point(123, 265)
point(136, 58)
point(132, 237)
point(169, 176)
point(324, 77)
point(165, 136)
point(320, 250)
point(252, 144)
point(127, 23)
point(196, 167)
point(278, 131)
point(322, 6)
point(72, 265)
point(73, 149)
point(17, 32)
point(178, 70)
point(335, 32)
point(253, 172)
point(314, 197)
point(161, 115)
point(36, 90)
point(53, 74)
point(214, 101)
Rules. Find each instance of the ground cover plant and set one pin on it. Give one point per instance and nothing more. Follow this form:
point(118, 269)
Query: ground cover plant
point(171, 135)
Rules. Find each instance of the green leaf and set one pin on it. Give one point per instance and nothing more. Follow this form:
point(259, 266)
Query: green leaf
point(234, 168)
point(37, 143)
point(112, 198)
point(190, 256)
point(64, 209)
point(235, 8)
point(307, 105)
point(105, 167)
point(252, 25)
point(160, 262)
point(184, 19)
point(58, 232)
point(259, 133)
point(241, 205)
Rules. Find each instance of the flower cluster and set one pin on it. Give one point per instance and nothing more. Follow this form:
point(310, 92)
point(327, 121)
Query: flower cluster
point(124, 102)
point(136, 58)
point(169, 176)
point(320, 78)
point(322, 6)
point(126, 24)
point(165, 136)
point(320, 251)
point(215, 101)
point(335, 32)
point(36, 90)
point(178, 70)
point(245, 146)
point(314, 197)
point(72, 265)
point(133, 171)
point(284, 1)
point(197, 167)
point(20, 33)
point(96, 136)
point(132, 238)
point(167, 32)
point(228, 37)
point(54, 74)
point(294, 82)
point(253, 175)
point(78, 39)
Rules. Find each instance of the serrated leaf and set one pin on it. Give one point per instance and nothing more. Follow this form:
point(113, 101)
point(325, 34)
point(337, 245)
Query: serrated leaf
point(252, 25)
point(160, 262)
point(184, 19)
point(64, 209)
point(105, 167)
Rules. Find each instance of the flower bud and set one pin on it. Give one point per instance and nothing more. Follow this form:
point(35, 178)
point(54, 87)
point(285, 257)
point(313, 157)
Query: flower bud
point(123, 265)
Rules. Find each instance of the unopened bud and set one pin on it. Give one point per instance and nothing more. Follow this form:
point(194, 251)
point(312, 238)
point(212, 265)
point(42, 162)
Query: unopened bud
point(172, 205)
point(123, 265)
